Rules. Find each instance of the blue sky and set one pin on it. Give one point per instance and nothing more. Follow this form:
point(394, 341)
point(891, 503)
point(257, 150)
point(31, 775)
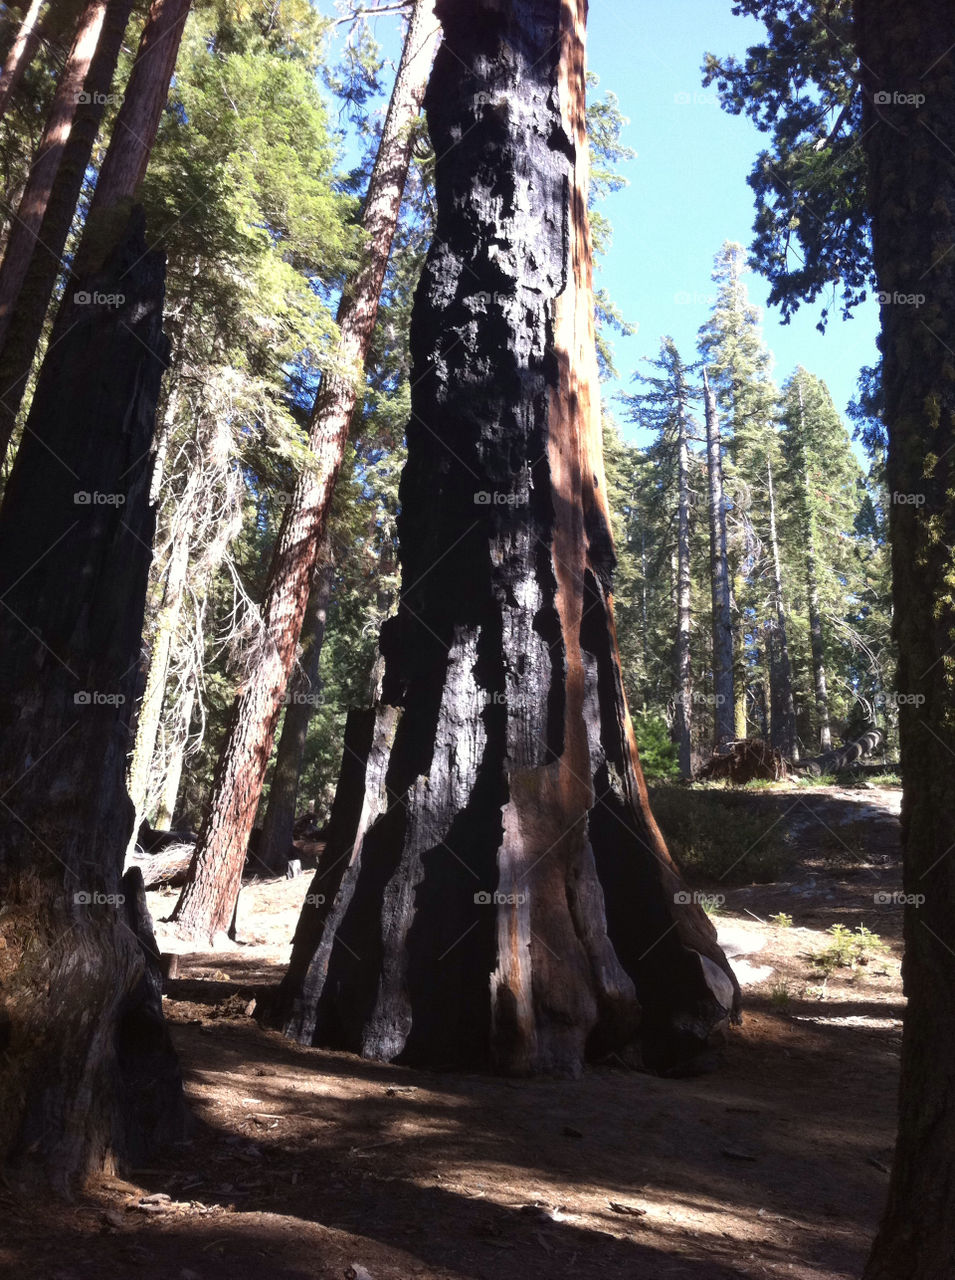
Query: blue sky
point(688, 191)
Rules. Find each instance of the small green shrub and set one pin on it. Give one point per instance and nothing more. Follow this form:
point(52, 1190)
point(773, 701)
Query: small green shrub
point(848, 948)
point(714, 834)
point(782, 920)
point(780, 995)
point(659, 756)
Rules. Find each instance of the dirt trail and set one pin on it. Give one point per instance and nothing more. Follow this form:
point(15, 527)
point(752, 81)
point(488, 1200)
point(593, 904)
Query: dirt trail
point(313, 1164)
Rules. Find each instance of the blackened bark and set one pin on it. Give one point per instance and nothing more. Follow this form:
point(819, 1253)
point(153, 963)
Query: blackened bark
point(495, 890)
point(725, 714)
point(907, 69)
point(275, 847)
point(90, 1076)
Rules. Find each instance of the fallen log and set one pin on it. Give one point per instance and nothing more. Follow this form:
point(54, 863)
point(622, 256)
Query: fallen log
point(844, 757)
point(167, 867)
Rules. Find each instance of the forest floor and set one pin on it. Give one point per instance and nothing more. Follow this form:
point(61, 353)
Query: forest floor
point(309, 1164)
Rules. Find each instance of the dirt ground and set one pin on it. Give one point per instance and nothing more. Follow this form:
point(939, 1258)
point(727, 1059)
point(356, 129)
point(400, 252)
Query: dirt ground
point(306, 1163)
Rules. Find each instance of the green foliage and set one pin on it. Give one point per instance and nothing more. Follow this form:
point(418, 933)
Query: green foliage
point(782, 920)
point(801, 87)
point(848, 949)
point(658, 755)
point(714, 834)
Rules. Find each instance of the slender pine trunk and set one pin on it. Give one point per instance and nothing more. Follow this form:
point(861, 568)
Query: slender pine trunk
point(20, 53)
point(684, 673)
point(812, 592)
point(207, 903)
point(783, 732)
point(724, 716)
point(278, 825)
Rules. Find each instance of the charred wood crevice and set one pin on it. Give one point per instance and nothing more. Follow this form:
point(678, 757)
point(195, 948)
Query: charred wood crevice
point(494, 891)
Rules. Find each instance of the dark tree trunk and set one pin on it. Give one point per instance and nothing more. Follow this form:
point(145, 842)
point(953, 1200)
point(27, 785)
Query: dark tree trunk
point(36, 258)
point(725, 714)
point(904, 50)
point(495, 890)
point(21, 52)
point(90, 1076)
point(275, 847)
point(207, 904)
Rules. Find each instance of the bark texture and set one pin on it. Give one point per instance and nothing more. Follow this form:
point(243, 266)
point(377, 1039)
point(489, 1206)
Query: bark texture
point(20, 53)
point(275, 847)
point(90, 1077)
point(207, 904)
point(725, 715)
point(904, 51)
point(34, 253)
point(494, 890)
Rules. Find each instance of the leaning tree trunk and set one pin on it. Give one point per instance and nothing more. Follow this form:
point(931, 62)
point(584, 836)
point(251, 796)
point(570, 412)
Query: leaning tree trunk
point(20, 53)
point(495, 890)
point(89, 1073)
point(684, 672)
point(781, 671)
point(903, 46)
point(136, 126)
point(181, 721)
point(26, 312)
point(207, 903)
point(724, 718)
point(275, 847)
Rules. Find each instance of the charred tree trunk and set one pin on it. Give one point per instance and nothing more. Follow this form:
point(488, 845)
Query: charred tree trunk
point(275, 847)
point(784, 706)
point(33, 258)
point(911, 183)
point(207, 904)
point(495, 890)
point(90, 1076)
point(21, 53)
point(725, 714)
point(684, 673)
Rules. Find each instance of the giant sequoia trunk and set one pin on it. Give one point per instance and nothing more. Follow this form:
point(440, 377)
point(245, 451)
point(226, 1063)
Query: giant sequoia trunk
point(906, 66)
point(22, 322)
point(725, 714)
point(495, 890)
point(207, 904)
point(89, 1073)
